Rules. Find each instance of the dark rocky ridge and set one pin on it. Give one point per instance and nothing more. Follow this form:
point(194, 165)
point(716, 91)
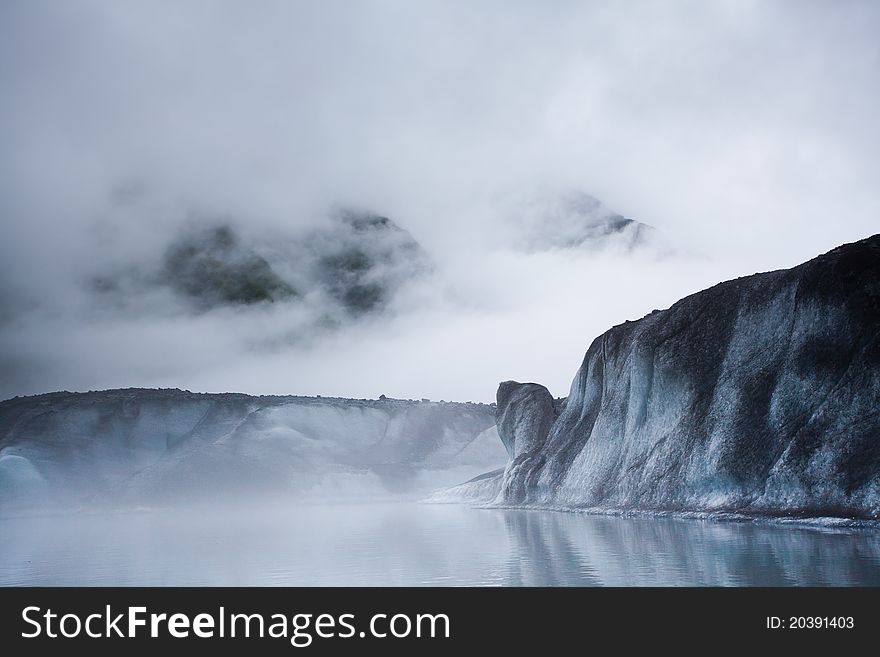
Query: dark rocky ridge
point(349, 266)
point(760, 395)
point(363, 259)
point(213, 268)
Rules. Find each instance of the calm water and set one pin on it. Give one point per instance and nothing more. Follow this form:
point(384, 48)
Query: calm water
point(412, 545)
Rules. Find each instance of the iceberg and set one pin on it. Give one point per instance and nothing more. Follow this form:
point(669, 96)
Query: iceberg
point(758, 396)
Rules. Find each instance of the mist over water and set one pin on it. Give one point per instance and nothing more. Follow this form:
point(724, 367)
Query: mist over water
point(389, 199)
point(407, 544)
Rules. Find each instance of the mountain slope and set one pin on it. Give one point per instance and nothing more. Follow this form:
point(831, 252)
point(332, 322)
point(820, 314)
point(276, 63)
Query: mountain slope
point(546, 220)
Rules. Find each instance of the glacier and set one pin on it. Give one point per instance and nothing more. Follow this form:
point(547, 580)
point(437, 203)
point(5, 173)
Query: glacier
point(145, 447)
point(759, 396)
point(756, 397)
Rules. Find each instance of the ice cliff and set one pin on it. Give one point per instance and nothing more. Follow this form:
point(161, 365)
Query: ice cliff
point(760, 395)
point(144, 447)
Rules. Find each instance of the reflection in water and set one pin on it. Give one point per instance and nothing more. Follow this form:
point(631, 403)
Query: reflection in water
point(579, 550)
point(418, 545)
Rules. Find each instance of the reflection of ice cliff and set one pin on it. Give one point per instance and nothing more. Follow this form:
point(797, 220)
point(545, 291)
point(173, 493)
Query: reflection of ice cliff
point(559, 549)
point(156, 446)
point(759, 395)
point(416, 544)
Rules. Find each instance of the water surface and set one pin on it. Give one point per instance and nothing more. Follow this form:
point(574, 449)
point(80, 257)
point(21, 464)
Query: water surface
point(409, 544)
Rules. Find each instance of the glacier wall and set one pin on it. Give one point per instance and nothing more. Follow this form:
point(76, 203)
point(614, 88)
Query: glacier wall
point(143, 447)
point(760, 395)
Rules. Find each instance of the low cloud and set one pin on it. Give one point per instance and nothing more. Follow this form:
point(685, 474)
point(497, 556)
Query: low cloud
point(744, 133)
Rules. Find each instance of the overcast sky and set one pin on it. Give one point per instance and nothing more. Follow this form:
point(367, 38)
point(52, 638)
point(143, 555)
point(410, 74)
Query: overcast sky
point(745, 132)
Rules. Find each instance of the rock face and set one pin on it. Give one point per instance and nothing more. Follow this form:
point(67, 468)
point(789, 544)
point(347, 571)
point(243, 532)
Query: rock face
point(760, 395)
point(167, 446)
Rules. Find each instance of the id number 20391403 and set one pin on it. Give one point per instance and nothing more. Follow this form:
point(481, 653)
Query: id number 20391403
point(810, 623)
